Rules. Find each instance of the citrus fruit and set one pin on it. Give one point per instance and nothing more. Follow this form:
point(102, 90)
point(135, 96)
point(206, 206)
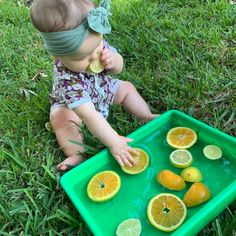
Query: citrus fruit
point(170, 180)
point(96, 66)
point(212, 152)
point(142, 160)
point(181, 137)
point(181, 158)
point(48, 126)
point(129, 227)
point(103, 186)
point(166, 212)
point(191, 174)
point(197, 194)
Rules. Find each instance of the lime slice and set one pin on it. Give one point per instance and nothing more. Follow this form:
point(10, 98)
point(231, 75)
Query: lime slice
point(212, 152)
point(48, 126)
point(96, 66)
point(129, 227)
point(181, 158)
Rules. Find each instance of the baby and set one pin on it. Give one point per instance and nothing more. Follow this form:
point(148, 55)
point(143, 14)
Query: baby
point(73, 31)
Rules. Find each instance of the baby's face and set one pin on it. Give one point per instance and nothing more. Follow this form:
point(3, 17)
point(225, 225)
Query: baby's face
point(89, 51)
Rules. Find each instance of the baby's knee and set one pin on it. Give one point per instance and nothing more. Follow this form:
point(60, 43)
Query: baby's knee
point(63, 117)
point(125, 88)
point(128, 87)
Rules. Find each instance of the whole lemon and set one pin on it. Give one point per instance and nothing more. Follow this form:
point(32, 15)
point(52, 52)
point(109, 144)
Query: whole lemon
point(191, 174)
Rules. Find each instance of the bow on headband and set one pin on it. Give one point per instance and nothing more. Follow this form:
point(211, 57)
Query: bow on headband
point(66, 42)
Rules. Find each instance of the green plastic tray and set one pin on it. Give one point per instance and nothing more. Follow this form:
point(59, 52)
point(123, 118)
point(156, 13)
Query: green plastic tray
point(136, 191)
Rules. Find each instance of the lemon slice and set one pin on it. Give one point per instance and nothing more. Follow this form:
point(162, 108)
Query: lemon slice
point(212, 152)
point(181, 158)
point(129, 227)
point(96, 66)
point(166, 212)
point(48, 126)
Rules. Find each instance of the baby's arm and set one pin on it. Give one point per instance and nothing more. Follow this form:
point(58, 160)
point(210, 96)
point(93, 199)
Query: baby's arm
point(98, 126)
point(112, 61)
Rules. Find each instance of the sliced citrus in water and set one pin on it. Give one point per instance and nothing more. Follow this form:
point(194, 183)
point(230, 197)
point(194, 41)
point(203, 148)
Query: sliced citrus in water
point(96, 66)
point(129, 227)
point(212, 152)
point(166, 212)
point(181, 137)
point(191, 174)
point(170, 180)
point(197, 194)
point(181, 158)
point(142, 160)
point(103, 186)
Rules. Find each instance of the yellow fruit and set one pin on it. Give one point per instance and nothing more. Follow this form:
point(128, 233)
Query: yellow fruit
point(142, 163)
point(96, 66)
point(166, 212)
point(103, 186)
point(197, 194)
point(212, 152)
point(129, 227)
point(181, 158)
point(170, 180)
point(181, 137)
point(191, 174)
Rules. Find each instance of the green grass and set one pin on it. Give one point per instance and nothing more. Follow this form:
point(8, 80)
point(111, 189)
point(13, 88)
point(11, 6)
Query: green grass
point(179, 54)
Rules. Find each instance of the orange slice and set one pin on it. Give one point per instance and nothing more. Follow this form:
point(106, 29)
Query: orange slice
point(181, 137)
point(196, 195)
point(166, 212)
point(142, 163)
point(96, 66)
point(170, 180)
point(103, 186)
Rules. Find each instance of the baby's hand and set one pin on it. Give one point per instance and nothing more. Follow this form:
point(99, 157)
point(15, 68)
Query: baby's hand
point(121, 151)
point(108, 59)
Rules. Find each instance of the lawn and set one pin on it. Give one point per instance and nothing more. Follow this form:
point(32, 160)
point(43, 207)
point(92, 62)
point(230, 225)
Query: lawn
point(179, 54)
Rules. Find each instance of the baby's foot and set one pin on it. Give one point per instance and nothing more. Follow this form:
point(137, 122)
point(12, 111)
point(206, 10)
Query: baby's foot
point(70, 162)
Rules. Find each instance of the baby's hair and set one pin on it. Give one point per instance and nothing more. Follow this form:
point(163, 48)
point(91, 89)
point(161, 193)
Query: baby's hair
point(59, 15)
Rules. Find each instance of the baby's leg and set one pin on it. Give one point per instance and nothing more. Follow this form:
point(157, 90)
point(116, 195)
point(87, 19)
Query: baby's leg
point(65, 124)
point(132, 101)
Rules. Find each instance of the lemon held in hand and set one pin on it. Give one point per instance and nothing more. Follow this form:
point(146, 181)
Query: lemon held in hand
point(96, 66)
point(142, 162)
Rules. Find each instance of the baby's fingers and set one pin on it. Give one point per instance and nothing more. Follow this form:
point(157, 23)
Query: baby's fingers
point(119, 160)
point(130, 159)
point(133, 150)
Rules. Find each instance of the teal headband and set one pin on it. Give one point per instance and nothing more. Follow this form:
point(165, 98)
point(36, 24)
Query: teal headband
point(66, 42)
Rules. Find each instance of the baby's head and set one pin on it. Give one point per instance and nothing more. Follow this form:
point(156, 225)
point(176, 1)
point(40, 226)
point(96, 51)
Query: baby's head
point(59, 15)
point(71, 29)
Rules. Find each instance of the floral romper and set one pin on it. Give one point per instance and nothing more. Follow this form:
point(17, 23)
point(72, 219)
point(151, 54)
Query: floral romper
point(72, 89)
